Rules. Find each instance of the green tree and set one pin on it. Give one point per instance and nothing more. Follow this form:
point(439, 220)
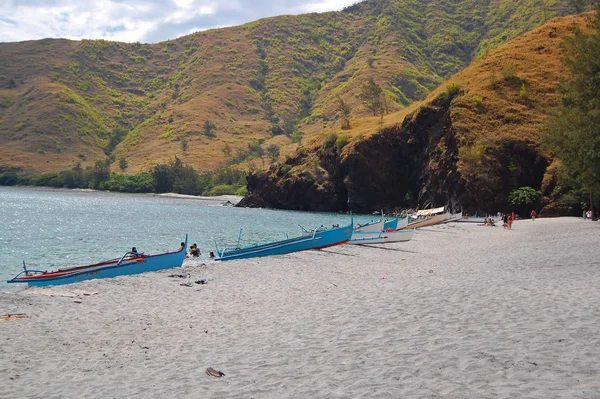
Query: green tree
point(209, 128)
point(345, 110)
point(184, 145)
point(580, 5)
point(524, 196)
point(226, 150)
point(123, 165)
point(573, 133)
point(297, 136)
point(273, 152)
point(100, 173)
point(373, 97)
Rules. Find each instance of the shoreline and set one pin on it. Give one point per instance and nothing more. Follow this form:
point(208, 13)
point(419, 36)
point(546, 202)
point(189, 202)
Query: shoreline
point(233, 198)
point(460, 311)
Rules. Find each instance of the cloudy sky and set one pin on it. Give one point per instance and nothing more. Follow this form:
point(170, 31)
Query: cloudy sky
point(146, 21)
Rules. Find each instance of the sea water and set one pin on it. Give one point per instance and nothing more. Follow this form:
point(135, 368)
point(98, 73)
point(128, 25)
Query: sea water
point(53, 228)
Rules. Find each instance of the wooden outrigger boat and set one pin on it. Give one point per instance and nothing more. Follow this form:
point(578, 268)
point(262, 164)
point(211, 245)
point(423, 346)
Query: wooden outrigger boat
point(129, 263)
point(372, 226)
point(454, 217)
point(314, 239)
point(429, 221)
point(383, 225)
point(383, 237)
point(429, 217)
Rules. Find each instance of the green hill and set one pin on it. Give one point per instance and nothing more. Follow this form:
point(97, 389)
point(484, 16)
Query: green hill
point(473, 141)
point(205, 97)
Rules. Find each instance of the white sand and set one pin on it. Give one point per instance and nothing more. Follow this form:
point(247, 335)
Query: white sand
point(460, 311)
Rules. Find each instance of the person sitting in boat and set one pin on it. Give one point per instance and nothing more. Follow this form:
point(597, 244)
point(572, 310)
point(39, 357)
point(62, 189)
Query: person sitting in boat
point(134, 253)
point(194, 251)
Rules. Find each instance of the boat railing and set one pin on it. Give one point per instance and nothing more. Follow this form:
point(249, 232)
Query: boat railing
point(27, 273)
point(129, 256)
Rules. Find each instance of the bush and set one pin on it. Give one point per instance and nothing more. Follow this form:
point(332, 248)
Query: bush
point(330, 140)
point(523, 196)
point(478, 102)
point(224, 189)
point(509, 72)
point(493, 80)
point(9, 179)
point(452, 90)
point(523, 94)
point(341, 142)
point(243, 191)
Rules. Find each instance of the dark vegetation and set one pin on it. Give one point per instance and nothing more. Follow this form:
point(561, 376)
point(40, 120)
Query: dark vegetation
point(173, 177)
point(573, 131)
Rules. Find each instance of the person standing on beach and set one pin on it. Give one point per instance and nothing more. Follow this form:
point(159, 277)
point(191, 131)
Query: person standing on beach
point(533, 215)
point(510, 222)
point(505, 221)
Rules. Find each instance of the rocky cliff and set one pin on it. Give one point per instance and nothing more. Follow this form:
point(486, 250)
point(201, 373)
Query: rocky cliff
point(471, 142)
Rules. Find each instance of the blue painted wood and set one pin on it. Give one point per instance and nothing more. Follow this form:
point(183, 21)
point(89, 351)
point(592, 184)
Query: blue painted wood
point(314, 239)
point(129, 263)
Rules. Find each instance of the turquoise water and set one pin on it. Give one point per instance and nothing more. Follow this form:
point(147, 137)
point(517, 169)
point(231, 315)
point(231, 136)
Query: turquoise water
point(52, 228)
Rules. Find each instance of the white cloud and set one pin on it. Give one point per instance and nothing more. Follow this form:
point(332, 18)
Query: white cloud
point(323, 6)
point(139, 20)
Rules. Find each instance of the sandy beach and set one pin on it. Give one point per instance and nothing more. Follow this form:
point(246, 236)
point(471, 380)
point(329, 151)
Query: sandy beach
point(461, 311)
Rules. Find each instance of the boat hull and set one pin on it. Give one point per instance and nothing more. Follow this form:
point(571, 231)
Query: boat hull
point(433, 220)
point(373, 227)
point(108, 269)
point(389, 225)
point(315, 240)
point(454, 217)
point(382, 238)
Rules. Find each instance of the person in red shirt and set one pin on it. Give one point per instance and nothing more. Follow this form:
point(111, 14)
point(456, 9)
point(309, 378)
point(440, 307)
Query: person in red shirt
point(533, 214)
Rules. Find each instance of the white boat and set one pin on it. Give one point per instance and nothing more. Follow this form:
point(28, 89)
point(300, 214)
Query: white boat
point(429, 221)
point(383, 237)
point(372, 227)
point(402, 223)
point(454, 217)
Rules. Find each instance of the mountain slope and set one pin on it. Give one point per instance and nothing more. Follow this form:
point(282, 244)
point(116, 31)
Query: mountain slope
point(472, 141)
point(205, 97)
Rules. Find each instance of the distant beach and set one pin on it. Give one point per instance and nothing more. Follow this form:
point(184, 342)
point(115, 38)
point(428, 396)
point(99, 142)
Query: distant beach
point(460, 311)
point(232, 198)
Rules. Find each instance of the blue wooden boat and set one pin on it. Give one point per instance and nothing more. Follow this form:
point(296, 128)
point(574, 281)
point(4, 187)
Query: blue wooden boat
point(129, 263)
point(313, 239)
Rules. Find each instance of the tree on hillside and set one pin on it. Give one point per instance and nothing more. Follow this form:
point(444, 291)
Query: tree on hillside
point(273, 152)
point(373, 97)
point(184, 145)
point(208, 129)
point(345, 110)
point(573, 134)
point(578, 5)
point(123, 164)
point(226, 150)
